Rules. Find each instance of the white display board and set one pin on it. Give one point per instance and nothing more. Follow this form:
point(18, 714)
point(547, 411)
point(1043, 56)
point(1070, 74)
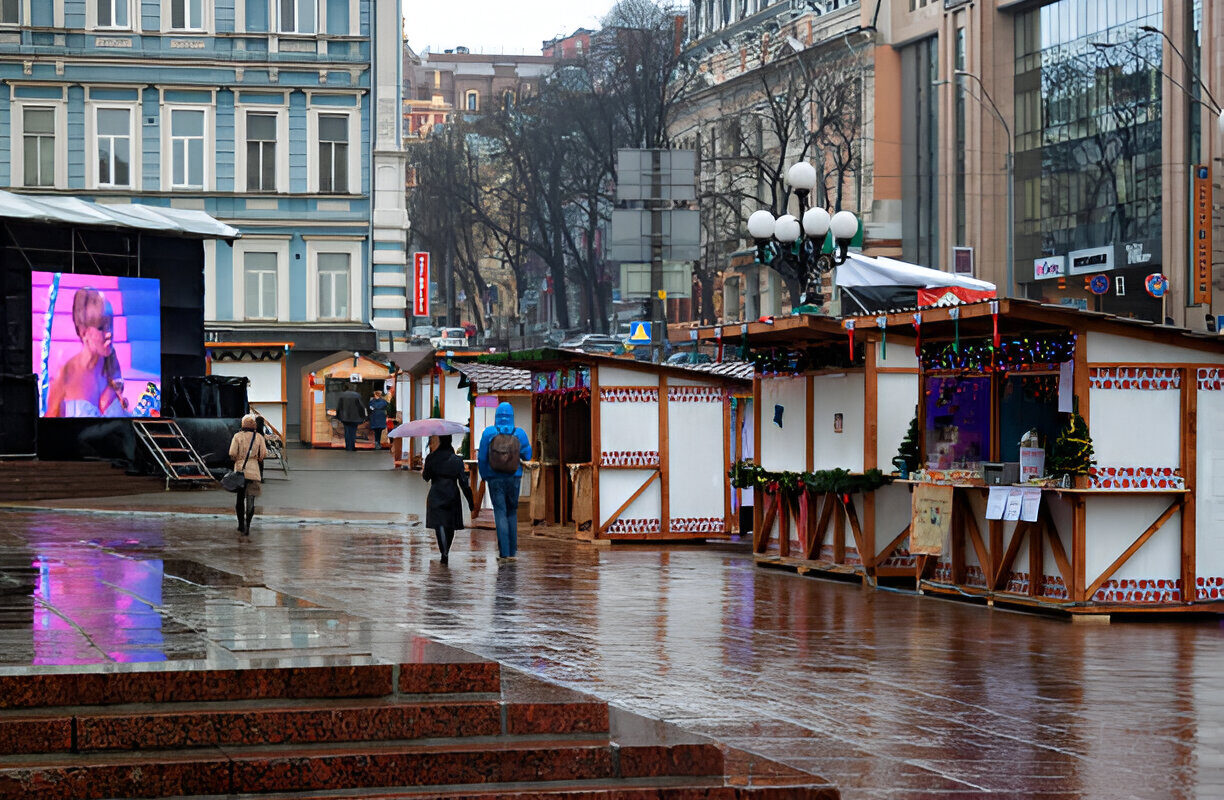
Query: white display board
point(783, 446)
point(833, 395)
point(619, 376)
point(896, 406)
point(266, 391)
point(1136, 427)
point(697, 461)
point(1209, 498)
point(628, 421)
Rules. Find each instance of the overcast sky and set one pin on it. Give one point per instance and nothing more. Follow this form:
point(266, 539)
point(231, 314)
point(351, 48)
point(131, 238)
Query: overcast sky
point(495, 26)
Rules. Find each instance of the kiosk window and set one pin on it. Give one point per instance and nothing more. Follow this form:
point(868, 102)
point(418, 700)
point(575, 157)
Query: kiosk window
point(957, 422)
point(1027, 402)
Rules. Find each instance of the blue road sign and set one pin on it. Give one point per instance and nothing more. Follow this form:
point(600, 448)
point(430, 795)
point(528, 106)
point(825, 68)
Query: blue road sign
point(639, 332)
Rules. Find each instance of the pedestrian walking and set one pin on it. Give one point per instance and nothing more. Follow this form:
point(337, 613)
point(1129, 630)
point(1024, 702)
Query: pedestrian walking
point(378, 417)
point(351, 412)
point(503, 448)
point(247, 450)
point(447, 480)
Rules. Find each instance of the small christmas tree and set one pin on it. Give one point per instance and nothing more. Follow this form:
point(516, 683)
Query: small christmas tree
point(1071, 453)
point(909, 447)
point(436, 413)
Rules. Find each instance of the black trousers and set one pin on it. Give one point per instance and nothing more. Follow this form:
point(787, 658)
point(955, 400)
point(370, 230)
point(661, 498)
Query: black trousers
point(242, 507)
point(445, 537)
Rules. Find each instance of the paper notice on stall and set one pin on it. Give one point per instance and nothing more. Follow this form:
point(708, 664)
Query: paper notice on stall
point(1015, 498)
point(1066, 387)
point(1030, 504)
point(996, 502)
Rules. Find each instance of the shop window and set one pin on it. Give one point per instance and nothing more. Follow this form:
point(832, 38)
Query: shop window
point(957, 422)
point(1027, 402)
point(10, 12)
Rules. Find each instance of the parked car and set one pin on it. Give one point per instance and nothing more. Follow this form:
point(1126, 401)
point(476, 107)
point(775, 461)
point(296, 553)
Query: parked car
point(593, 343)
point(688, 357)
point(423, 334)
point(450, 337)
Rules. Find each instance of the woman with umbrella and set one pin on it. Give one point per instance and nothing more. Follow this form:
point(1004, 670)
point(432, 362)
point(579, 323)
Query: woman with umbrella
point(447, 478)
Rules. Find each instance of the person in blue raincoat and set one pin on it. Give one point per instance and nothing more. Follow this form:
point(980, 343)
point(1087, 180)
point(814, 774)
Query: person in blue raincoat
point(500, 463)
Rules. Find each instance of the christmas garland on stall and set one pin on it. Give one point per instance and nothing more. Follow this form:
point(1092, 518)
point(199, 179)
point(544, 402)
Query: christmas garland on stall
point(785, 361)
point(749, 475)
point(981, 355)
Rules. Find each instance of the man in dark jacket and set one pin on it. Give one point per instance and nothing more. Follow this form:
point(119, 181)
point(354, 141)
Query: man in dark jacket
point(351, 411)
point(504, 486)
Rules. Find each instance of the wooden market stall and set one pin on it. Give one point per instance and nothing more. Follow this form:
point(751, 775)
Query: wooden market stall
point(1134, 534)
point(322, 383)
point(618, 464)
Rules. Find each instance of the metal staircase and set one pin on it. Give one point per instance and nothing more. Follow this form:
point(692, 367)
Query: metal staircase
point(173, 451)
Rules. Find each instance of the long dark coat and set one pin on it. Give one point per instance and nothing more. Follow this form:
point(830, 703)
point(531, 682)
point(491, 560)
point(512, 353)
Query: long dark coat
point(448, 478)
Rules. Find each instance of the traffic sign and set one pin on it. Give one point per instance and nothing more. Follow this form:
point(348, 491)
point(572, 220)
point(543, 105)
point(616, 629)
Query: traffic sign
point(639, 331)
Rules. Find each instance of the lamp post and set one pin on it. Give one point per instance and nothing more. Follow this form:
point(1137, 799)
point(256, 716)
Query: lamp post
point(795, 245)
point(1011, 180)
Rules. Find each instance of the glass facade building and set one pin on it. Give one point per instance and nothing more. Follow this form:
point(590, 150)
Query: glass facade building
point(1088, 143)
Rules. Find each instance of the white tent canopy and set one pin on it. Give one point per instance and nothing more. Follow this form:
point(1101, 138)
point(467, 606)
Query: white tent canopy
point(74, 211)
point(860, 270)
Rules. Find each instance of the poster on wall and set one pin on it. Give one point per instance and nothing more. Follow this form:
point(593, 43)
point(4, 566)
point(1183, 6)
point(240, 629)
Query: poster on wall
point(932, 519)
point(97, 345)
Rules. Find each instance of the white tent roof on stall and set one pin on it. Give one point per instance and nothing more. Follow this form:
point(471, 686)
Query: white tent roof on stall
point(861, 270)
point(878, 283)
point(74, 211)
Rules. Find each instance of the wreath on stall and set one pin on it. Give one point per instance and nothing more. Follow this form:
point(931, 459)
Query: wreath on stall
point(748, 475)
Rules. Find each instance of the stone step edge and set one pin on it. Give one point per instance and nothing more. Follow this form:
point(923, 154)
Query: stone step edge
point(298, 769)
point(53, 689)
point(336, 723)
point(680, 788)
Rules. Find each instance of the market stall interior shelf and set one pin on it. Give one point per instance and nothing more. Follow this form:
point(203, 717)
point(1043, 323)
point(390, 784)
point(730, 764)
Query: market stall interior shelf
point(632, 451)
point(1064, 459)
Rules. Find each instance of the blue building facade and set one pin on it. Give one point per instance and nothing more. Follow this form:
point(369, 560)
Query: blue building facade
point(263, 113)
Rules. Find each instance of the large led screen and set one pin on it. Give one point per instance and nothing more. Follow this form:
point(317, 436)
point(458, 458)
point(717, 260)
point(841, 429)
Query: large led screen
point(97, 345)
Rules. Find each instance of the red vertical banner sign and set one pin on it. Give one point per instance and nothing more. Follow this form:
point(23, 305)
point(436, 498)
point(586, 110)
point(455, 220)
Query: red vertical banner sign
point(420, 284)
point(1201, 225)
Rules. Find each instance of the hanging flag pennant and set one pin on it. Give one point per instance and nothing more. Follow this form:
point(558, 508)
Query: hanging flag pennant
point(850, 334)
point(882, 324)
point(918, 335)
point(994, 319)
point(954, 313)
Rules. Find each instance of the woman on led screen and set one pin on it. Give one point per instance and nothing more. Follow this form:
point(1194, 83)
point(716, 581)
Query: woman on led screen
point(90, 383)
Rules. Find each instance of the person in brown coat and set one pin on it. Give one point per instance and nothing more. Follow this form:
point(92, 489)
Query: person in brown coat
point(248, 450)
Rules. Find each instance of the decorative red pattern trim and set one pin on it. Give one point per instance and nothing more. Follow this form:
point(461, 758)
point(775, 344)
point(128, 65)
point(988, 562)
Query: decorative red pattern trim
point(635, 526)
point(1209, 588)
point(1211, 379)
point(1052, 586)
point(1144, 378)
point(698, 525)
point(629, 458)
point(1137, 478)
point(695, 394)
point(620, 394)
point(1140, 590)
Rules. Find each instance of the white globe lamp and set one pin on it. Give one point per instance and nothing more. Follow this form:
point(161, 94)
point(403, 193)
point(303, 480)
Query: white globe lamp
point(786, 229)
point(816, 223)
point(844, 225)
point(802, 177)
point(761, 225)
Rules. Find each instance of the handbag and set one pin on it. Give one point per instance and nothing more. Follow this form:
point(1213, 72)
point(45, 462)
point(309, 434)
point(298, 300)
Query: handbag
point(234, 480)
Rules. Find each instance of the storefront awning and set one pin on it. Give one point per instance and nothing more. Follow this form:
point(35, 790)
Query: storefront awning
point(74, 211)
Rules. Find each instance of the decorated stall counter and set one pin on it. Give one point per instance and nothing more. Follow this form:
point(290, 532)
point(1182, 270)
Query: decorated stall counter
point(1040, 456)
point(630, 450)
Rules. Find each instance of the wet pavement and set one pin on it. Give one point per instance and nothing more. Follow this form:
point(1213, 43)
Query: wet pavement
point(887, 694)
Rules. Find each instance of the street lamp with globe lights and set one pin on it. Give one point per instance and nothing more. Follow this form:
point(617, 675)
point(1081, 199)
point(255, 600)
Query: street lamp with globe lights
point(794, 246)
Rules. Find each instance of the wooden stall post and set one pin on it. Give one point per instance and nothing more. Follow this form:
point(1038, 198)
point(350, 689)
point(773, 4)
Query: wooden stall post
point(596, 451)
point(871, 448)
point(839, 531)
point(809, 424)
point(728, 459)
point(664, 479)
point(757, 500)
point(1079, 517)
point(1189, 470)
